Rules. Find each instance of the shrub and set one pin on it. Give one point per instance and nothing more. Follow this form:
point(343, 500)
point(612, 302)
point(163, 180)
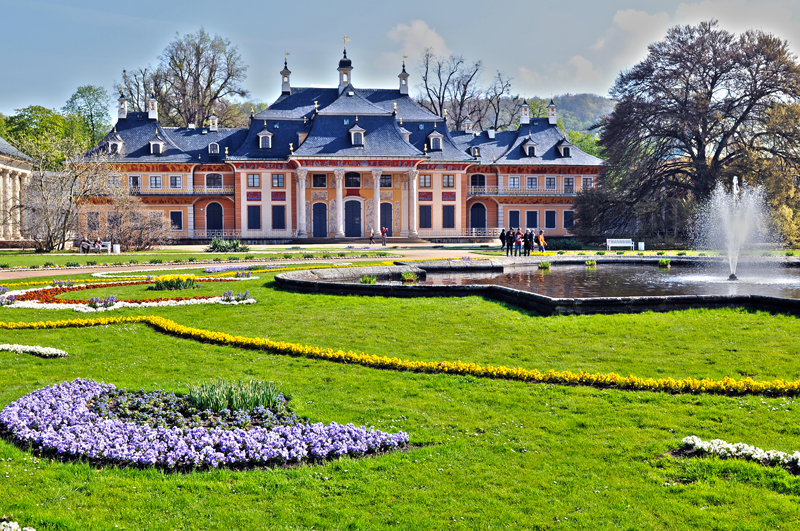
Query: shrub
point(368, 279)
point(640, 254)
point(326, 255)
point(601, 253)
point(219, 245)
point(341, 255)
point(789, 253)
point(661, 253)
point(172, 282)
point(410, 276)
point(620, 252)
point(544, 265)
point(218, 395)
point(591, 263)
point(91, 262)
point(34, 266)
point(682, 253)
point(133, 262)
point(562, 252)
point(308, 255)
point(4, 266)
point(49, 264)
point(156, 261)
point(381, 254)
point(191, 259)
point(582, 253)
point(69, 264)
point(664, 262)
point(701, 254)
point(287, 256)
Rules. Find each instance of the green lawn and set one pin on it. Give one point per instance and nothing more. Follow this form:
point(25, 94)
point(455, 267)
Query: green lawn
point(485, 453)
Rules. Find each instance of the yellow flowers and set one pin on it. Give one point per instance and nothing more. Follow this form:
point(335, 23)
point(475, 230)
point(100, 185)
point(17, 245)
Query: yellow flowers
point(169, 278)
point(726, 386)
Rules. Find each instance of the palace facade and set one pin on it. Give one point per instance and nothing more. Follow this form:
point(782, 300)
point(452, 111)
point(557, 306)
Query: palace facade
point(15, 170)
point(340, 162)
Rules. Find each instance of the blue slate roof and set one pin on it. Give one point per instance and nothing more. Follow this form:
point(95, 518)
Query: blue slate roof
point(506, 148)
point(286, 133)
point(10, 151)
point(329, 136)
point(351, 101)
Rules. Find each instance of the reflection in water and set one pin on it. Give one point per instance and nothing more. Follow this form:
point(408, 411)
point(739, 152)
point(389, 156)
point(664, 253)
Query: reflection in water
point(615, 280)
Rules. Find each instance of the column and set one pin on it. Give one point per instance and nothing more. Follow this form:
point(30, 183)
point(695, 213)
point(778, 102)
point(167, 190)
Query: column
point(376, 182)
point(339, 176)
point(301, 176)
point(414, 208)
point(16, 188)
point(501, 222)
point(5, 192)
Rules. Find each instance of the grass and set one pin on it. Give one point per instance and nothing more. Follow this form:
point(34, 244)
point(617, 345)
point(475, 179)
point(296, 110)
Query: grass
point(486, 453)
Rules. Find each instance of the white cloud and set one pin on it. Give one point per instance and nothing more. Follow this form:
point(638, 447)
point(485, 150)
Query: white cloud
point(413, 40)
point(578, 74)
point(626, 41)
point(737, 16)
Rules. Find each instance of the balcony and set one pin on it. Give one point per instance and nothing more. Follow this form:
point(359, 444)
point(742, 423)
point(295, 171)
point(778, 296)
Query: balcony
point(476, 191)
point(196, 190)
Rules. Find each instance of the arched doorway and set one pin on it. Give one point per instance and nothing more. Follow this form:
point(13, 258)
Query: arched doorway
point(477, 216)
point(319, 220)
point(352, 219)
point(214, 217)
point(386, 217)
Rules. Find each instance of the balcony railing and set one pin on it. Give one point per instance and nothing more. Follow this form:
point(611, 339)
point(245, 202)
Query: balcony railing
point(195, 190)
point(473, 191)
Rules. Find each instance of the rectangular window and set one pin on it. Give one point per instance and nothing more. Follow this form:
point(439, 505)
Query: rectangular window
point(254, 217)
point(277, 180)
point(114, 181)
point(448, 181)
point(569, 185)
point(278, 217)
point(175, 181)
point(319, 180)
point(134, 181)
point(550, 183)
point(386, 181)
point(513, 183)
point(588, 182)
point(176, 219)
point(424, 181)
point(569, 218)
point(264, 142)
point(448, 217)
point(253, 180)
point(533, 183)
point(155, 181)
point(425, 217)
point(532, 219)
point(513, 219)
point(549, 219)
point(93, 221)
point(352, 180)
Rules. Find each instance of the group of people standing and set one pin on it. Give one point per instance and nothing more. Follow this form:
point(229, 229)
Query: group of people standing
point(518, 243)
point(384, 233)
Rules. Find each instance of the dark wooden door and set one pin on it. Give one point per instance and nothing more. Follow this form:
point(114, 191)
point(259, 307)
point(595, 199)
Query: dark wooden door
point(386, 217)
point(214, 217)
point(319, 217)
point(352, 219)
point(477, 216)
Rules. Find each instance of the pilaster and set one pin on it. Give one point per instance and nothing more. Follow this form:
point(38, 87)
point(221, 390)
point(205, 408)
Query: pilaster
point(414, 208)
point(376, 183)
point(16, 180)
point(301, 175)
point(339, 176)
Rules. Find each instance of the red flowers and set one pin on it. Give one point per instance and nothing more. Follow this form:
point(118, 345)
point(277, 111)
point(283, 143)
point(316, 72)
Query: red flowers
point(49, 295)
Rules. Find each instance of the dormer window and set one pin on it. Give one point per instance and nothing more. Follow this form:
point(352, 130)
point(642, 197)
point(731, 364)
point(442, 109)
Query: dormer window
point(435, 140)
point(476, 152)
point(529, 148)
point(213, 148)
point(157, 145)
point(566, 152)
point(113, 148)
point(265, 139)
point(357, 135)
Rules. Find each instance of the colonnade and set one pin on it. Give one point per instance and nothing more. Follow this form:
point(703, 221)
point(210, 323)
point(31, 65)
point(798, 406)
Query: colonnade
point(11, 183)
point(301, 176)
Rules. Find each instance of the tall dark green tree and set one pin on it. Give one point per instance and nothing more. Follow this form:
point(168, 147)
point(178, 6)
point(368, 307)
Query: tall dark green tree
point(687, 116)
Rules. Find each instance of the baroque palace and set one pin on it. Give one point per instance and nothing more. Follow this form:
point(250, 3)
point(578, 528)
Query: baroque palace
point(340, 162)
point(15, 170)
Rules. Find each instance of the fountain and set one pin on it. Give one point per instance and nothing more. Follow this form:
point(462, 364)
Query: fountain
point(730, 220)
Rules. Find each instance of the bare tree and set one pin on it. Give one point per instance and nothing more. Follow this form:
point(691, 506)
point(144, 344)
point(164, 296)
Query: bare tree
point(62, 180)
point(449, 83)
point(503, 108)
point(126, 220)
point(195, 78)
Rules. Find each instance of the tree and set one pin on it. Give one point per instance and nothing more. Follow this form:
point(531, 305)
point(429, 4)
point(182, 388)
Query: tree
point(62, 180)
point(502, 108)
point(124, 219)
point(586, 142)
point(89, 104)
point(195, 78)
point(688, 115)
point(450, 84)
point(35, 122)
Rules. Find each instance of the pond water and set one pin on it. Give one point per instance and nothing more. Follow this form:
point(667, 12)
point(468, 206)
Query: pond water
point(620, 280)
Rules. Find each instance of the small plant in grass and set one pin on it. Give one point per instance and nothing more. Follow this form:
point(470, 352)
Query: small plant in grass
point(73, 264)
point(664, 263)
point(544, 265)
point(250, 257)
point(4, 266)
point(620, 252)
point(172, 282)
point(368, 279)
point(661, 253)
point(342, 255)
point(219, 245)
point(219, 395)
point(409, 277)
point(191, 259)
point(133, 262)
point(326, 255)
point(789, 253)
point(702, 254)
point(601, 253)
point(582, 253)
point(242, 274)
point(33, 266)
point(228, 296)
point(287, 256)
point(156, 261)
point(563, 252)
point(49, 264)
point(97, 302)
point(591, 263)
point(682, 253)
point(640, 254)
point(381, 254)
point(308, 255)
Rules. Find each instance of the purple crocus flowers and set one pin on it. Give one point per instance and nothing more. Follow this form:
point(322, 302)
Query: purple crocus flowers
point(58, 419)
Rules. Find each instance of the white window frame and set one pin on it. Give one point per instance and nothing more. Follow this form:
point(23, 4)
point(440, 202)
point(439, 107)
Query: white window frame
point(256, 180)
point(448, 181)
point(569, 182)
point(555, 225)
point(264, 141)
point(436, 144)
point(550, 183)
point(213, 148)
point(170, 220)
point(589, 180)
point(155, 182)
point(179, 179)
point(280, 179)
point(513, 182)
point(532, 182)
point(425, 181)
point(138, 181)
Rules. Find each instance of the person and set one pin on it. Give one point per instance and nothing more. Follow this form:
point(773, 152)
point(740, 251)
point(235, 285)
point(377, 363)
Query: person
point(510, 242)
point(542, 243)
point(97, 245)
point(384, 232)
point(85, 245)
point(518, 243)
point(371, 236)
point(502, 240)
point(527, 242)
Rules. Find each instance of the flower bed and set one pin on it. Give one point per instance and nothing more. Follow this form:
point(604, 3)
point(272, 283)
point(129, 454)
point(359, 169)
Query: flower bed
point(36, 350)
point(59, 420)
point(727, 450)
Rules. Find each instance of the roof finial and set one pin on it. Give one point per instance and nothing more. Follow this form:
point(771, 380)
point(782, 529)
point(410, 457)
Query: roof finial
point(345, 40)
point(401, 120)
point(252, 110)
point(291, 147)
point(305, 119)
point(395, 106)
point(315, 105)
point(356, 118)
point(226, 151)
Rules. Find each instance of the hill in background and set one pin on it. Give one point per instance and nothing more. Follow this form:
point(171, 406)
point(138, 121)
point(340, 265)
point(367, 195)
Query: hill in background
point(581, 111)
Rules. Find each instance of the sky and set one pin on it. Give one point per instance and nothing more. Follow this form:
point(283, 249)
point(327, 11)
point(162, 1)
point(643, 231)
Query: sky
point(49, 48)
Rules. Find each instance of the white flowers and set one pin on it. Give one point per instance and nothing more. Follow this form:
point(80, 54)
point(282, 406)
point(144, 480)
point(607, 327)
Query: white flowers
point(36, 350)
point(726, 450)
